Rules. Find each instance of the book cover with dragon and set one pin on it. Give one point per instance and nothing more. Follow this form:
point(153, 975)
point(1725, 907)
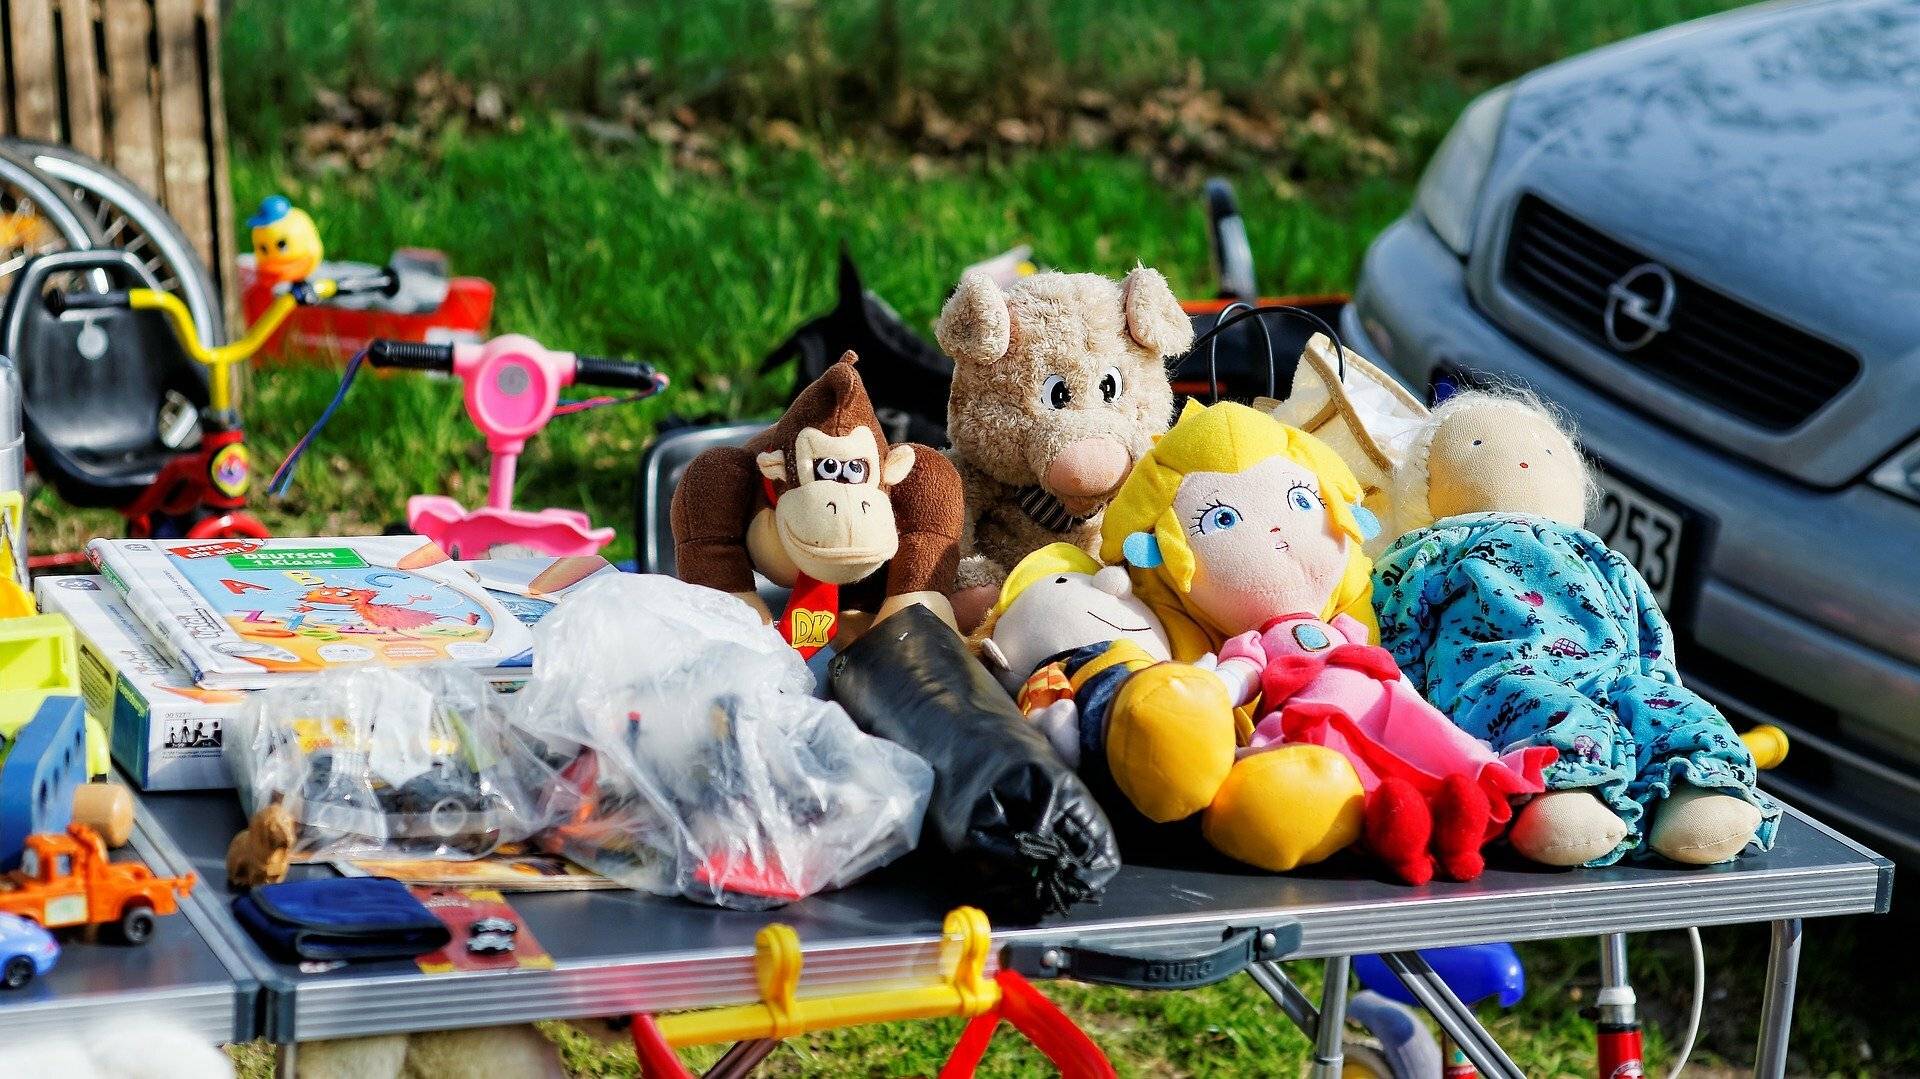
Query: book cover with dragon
point(239, 614)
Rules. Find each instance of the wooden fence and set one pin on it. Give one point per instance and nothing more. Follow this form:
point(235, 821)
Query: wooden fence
point(135, 83)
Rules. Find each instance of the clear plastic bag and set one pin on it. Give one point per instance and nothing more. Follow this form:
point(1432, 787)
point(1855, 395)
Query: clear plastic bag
point(688, 755)
point(414, 762)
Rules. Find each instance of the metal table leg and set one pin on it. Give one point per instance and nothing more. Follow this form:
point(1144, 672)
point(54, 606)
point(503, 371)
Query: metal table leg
point(740, 1060)
point(286, 1058)
point(1454, 1017)
point(1272, 979)
point(1329, 1059)
point(1776, 1008)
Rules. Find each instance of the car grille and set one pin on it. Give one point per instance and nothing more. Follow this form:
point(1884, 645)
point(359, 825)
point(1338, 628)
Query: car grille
point(1716, 349)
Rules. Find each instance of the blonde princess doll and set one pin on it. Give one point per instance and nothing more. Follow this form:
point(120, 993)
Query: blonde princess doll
point(1244, 536)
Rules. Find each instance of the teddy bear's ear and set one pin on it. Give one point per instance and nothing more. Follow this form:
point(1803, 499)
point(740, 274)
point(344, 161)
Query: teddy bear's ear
point(975, 325)
point(1154, 317)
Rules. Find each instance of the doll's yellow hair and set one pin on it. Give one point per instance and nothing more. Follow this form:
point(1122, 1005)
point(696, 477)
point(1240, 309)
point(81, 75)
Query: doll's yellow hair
point(1225, 437)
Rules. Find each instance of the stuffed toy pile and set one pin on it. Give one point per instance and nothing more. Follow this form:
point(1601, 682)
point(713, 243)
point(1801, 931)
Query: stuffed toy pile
point(1190, 615)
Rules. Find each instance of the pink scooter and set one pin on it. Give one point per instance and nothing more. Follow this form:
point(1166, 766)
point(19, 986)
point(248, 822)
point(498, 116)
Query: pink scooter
point(513, 388)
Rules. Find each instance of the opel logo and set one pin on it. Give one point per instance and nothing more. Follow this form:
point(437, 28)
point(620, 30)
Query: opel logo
point(1638, 307)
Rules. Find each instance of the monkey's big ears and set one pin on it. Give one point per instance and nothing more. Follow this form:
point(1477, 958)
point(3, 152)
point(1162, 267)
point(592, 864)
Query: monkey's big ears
point(975, 326)
point(1154, 317)
point(898, 464)
point(773, 465)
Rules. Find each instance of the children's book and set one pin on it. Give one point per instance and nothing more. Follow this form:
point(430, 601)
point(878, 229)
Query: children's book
point(244, 613)
point(541, 577)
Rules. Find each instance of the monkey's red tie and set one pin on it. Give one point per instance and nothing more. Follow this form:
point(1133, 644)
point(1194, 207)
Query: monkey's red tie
point(813, 607)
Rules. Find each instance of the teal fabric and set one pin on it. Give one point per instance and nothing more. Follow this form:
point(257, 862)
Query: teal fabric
point(1530, 632)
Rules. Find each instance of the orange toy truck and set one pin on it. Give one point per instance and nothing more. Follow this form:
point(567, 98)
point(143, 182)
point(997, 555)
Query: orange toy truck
point(66, 879)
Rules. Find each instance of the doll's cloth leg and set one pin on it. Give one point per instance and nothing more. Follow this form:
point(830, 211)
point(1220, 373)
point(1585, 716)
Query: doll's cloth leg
point(1597, 752)
point(1462, 825)
point(1681, 738)
point(1399, 830)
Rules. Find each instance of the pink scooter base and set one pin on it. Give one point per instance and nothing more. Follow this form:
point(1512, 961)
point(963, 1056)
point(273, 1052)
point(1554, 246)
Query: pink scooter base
point(513, 385)
point(472, 534)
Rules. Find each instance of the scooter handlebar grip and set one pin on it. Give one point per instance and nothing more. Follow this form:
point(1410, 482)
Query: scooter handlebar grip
point(617, 374)
point(412, 355)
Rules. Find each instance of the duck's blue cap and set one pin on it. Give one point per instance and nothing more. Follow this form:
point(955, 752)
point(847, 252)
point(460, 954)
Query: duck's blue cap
point(272, 208)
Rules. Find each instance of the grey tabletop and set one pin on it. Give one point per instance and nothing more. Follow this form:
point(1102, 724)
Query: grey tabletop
point(185, 975)
point(618, 952)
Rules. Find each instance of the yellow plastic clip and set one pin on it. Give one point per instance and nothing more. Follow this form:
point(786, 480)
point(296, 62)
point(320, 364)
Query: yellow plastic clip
point(963, 990)
point(777, 960)
point(969, 938)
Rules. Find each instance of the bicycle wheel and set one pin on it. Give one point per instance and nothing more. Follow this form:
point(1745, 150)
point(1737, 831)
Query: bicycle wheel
point(37, 216)
point(126, 217)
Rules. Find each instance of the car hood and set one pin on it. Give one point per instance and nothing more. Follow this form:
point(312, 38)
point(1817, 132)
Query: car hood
point(1772, 154)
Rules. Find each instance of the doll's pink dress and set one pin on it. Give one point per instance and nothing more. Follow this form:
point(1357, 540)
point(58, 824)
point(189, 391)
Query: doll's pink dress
point(1322, 683)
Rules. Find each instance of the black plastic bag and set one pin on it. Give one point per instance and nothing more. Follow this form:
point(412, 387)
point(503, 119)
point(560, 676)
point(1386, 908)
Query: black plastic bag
point(1026, 832)
point(905, 374)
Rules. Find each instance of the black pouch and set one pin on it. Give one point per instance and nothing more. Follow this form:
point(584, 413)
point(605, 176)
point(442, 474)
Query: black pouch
point(1028, 834)
point(353, 918)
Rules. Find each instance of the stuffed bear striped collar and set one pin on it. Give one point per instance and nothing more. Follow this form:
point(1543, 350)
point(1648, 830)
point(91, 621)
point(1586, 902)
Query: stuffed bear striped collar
point(1048, 511)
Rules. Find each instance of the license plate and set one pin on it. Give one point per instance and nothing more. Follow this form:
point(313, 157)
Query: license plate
point(1644, 529)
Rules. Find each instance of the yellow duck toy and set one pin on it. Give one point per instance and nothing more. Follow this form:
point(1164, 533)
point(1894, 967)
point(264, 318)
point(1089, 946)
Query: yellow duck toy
point(286, 244)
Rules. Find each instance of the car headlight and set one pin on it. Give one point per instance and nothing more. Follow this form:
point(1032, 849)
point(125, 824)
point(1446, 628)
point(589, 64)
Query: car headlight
point(1900, 473)
point(1449, 192)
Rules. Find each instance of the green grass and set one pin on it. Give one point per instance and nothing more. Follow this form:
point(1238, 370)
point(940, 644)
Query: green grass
point(823, 61)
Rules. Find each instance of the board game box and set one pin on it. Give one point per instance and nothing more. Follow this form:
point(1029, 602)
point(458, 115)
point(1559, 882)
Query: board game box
point(165, 731)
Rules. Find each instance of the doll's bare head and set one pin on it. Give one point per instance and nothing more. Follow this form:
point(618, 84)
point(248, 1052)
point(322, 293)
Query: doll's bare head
point(1493, 451)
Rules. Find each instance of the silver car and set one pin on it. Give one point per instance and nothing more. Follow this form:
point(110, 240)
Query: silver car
point(1705, 244)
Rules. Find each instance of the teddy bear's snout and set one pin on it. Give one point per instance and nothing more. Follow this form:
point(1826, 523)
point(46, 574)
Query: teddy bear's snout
point(1087, 468)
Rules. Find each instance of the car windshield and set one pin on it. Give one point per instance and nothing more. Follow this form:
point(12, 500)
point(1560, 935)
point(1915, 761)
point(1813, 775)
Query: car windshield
point(30, 864)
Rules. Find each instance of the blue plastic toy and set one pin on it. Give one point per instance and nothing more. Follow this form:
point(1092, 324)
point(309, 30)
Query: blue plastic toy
point(26, 951)
point(42, 767)
point(1475, 973)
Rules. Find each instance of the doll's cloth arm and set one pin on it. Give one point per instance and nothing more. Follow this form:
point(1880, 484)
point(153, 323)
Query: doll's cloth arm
point(1060, 722)
point(1656, 634)
point(1242, 659)
point(1414, 583)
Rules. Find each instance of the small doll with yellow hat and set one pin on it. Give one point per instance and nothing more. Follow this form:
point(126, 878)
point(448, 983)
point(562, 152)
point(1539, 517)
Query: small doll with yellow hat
point(1082, 654)
point(1244, 536)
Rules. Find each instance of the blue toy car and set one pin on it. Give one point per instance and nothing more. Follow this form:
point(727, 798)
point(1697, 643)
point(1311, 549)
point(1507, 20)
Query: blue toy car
point(25, 951)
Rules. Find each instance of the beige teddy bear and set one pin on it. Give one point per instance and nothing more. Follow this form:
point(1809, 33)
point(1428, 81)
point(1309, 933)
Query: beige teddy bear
point(1060, 384)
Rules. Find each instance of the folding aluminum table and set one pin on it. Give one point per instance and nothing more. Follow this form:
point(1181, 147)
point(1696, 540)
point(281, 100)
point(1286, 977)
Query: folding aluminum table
point(619, 952)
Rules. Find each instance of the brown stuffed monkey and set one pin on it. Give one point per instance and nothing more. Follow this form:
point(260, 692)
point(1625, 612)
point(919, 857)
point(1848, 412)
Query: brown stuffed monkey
point(820, 504)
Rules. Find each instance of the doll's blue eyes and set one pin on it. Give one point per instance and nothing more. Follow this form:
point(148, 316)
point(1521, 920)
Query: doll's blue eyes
point(1301, 498)
point(1219, 519)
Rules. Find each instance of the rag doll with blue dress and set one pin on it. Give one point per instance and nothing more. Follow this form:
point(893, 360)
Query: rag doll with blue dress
point(1528, 631)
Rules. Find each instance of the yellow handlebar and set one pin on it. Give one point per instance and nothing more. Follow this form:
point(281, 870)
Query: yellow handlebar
point(223, 358)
